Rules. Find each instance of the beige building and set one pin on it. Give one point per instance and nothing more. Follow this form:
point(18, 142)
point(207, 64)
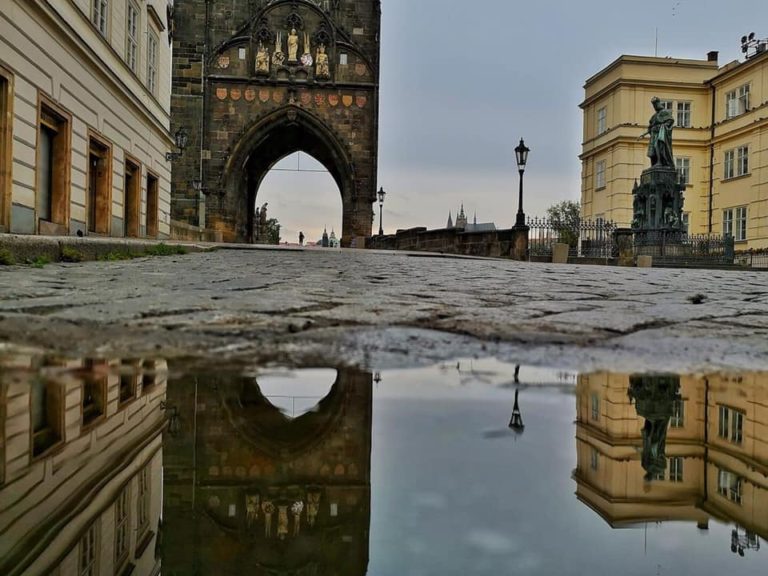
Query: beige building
point(85, 117)
point(716, 449)
point(80, 466)
point(720, 140)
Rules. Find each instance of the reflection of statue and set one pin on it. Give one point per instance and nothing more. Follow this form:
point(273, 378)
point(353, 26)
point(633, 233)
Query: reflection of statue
point(313, 506)
point(660, 131)
point(296, 510)
point(282, 522)
point(293, 46)
point(252, 509)
point(654, 398)
point(268, 508)
point(262, 60)
point(323, 69)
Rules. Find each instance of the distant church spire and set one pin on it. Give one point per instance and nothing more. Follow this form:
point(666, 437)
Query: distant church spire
point(450, 220)
point(461, 219)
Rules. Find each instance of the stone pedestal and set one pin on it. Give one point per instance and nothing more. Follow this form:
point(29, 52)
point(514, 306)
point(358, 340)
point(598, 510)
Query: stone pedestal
point(623, 240)
point(658, 203)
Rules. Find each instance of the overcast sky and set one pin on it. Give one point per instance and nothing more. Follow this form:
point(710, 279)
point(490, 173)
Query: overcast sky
point(463, 81)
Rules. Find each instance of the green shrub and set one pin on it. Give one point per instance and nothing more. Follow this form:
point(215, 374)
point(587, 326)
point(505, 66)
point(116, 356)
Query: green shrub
point(6, 257)
point(38, 261)
point(163, 249)
point(115, 256)
point(69, 254)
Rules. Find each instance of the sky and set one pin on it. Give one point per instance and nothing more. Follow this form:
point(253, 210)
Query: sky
point(462, 82)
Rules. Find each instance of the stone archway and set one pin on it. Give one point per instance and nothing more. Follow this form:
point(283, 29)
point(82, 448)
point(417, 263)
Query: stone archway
point(283, 132)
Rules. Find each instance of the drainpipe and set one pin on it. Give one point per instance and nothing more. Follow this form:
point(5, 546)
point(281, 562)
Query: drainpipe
point(712, 159)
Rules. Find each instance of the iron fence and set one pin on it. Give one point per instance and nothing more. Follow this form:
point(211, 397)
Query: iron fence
point(752, 259)
point(585, 238)
point(671, 247)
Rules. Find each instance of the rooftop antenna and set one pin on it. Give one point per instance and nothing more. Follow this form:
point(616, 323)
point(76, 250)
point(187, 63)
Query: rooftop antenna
point(752, 46)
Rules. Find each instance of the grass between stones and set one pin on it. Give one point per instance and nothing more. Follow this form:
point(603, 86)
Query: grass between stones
point(71, 254)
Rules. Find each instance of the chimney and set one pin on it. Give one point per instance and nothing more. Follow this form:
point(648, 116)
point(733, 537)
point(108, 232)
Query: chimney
point(712, 56)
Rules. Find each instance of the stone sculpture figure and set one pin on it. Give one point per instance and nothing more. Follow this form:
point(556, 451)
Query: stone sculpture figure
point(279, 57)
point(660, 131)
point(323, 69)
point(262, 60)
point(293, 46)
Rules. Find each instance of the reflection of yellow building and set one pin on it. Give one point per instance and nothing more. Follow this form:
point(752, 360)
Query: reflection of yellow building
point(717, 453)
point(720, 137)
point(80, 466)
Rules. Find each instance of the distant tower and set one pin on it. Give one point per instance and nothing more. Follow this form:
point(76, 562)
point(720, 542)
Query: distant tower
point(450, 221)
point(325, 243)
point(461, 219)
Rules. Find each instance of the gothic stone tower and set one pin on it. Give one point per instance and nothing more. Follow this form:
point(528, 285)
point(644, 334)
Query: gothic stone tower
point(256, 80)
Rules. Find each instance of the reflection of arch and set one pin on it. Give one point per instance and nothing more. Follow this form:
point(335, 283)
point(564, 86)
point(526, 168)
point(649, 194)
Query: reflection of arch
point(266, 427)
point(267, 141)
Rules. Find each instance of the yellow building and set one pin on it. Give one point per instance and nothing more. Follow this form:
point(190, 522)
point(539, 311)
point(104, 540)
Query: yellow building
point(80, 466)
point(85, 117)
point(716, 453)
point(720, 140)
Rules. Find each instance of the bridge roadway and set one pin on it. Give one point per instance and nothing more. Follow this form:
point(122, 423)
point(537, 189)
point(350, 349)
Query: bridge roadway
point(388, 309)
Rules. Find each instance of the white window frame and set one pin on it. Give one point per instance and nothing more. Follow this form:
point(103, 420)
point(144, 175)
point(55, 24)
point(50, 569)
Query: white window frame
point(683, 113)
point(740, 224)
point(742, 160)
point(132, 35)
point(737, 101)
point(668, 105)
point(678, 414)
point(153, 47)
point(600, 166)
point(143, 502)
point(595, 407)
point(100, 16)
point(730, 425)
point(594, 459)
point(88, 552)
point(676, 469)
point(602, 120)
point(728, 222)
point(729, 485)
point(684, 169)
point(122, 528)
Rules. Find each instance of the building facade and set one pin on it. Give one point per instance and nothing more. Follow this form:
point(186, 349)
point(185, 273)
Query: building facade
point(720, 140)
point(85, 117)
point(256, 80)
point(80, 465)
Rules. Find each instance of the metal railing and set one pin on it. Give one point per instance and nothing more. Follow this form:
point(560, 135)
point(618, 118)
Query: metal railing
point(672, 247)
point(585, 238)
point(752, 258)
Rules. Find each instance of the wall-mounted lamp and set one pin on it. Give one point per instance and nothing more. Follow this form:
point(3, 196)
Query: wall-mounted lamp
point(182, 139)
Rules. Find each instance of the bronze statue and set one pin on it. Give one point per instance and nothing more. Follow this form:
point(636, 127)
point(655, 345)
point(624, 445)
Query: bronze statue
point(660, 131)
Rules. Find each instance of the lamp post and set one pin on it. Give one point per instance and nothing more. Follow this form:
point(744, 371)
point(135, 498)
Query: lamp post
point(521, 154)
point(181, 139)
point(381, 195)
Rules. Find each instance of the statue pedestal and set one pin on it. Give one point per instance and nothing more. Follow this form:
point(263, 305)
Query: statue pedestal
point(658, 204)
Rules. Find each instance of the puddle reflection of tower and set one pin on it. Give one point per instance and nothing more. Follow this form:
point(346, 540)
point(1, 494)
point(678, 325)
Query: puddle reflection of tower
point(252, 490)
point(516, 422)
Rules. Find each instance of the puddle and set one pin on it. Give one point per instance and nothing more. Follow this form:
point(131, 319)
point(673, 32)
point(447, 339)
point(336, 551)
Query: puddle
point(468, 467)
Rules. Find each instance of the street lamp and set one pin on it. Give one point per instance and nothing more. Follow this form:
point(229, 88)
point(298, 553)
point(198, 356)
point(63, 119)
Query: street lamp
point(182, 139)
point(521, 153)
point(381, 195)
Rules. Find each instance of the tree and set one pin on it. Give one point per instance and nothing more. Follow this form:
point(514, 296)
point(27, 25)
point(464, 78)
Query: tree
point(273, 231)
point(565, 217)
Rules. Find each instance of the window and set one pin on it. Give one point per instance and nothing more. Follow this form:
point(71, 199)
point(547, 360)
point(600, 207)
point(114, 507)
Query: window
point(668, 105)
point(53, 170)
point(88, 551)
point(99, 198)
point(343, 59)
point(676, 469)
point(122, 529)
point(100, 15)
point(737, 101)
point(129, 379)
point(93, 399)
point(730, 424)
point(683, 169)
point(45, 412)
point(684, 114)
point(132, 37)
point(602, 120)
point(729, 485)
point(736, 162)
point(594, 459)
point(142, 504)
point(6, 140)
point(600, 175)
point(735, 223)
point(153, 205)
point(595, 407)
point(152, 46)
point(678, 414)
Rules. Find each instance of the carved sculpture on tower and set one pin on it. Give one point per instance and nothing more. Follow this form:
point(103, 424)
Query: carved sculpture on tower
point(658, 198)
point(323, 69)
point(293, 46)
point(262, 60)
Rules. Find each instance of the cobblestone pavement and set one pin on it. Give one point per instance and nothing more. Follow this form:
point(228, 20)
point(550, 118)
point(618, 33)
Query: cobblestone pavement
point(386, 309)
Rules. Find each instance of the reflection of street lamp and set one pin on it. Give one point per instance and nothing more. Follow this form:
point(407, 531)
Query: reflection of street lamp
point(381, 195)
point(521, 154)
point(182, 139)
point(377, 378)
point(516, 422)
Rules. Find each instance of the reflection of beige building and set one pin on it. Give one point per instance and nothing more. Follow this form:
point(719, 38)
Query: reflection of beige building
point(720, 139)
point(717, 453)
point(85, 117)
point(80, 466)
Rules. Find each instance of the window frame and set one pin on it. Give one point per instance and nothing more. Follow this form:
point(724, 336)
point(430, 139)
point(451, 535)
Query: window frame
point(600, 170)
point(730, 424)
point(53, 117)
point(737, 101)
point(683, 110)
point(676, 469)
point(143, 502)
point(683, 165)
point(122, 528)
point(54, 419)
point(100, 16)
point(153, 60)
point(678, 414)
point(92, 567)
point(730, 485)
point(602, 120)
point(594, 407)
point(132, 58)
point(6, 146)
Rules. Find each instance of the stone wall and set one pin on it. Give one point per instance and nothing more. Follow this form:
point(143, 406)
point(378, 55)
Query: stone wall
point(511, 243)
